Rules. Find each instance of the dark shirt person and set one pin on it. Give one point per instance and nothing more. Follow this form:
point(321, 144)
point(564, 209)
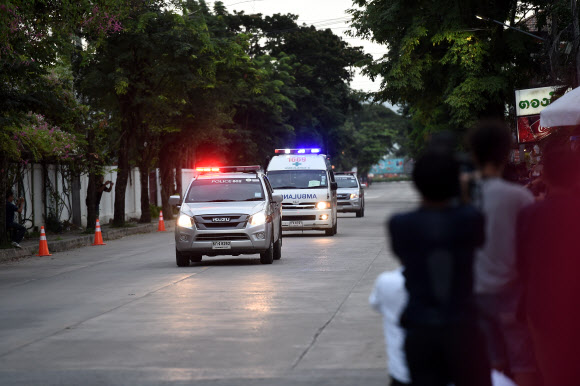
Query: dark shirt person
point(16, 230)
point(549, 261)
point(436, 245)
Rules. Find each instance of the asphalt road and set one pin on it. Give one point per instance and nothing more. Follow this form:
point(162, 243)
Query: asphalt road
point(125, 314)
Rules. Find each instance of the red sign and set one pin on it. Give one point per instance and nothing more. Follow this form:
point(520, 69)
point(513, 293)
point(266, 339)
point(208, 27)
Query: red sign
point(529, 129)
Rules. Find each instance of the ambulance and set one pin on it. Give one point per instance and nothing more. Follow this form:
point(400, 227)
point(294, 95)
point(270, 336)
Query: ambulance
point(306, 182)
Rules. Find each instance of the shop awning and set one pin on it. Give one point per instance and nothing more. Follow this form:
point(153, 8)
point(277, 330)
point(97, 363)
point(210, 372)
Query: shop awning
point(563, 112)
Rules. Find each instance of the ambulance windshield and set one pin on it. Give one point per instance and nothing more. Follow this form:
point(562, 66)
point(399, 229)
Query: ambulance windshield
point(298, 179)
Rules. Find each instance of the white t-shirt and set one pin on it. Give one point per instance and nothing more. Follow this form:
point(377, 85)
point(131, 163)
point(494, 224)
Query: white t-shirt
point(495, 262)
point(389, 297)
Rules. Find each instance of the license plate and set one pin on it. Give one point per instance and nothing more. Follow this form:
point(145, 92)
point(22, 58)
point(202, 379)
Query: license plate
point(295, 223)
point(222, 245)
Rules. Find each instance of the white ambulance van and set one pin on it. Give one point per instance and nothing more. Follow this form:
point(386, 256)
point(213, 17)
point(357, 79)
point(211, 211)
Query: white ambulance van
point(305, 180)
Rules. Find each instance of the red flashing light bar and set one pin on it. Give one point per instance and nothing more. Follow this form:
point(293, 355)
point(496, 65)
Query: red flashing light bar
point(297, 151)
point(230, 169)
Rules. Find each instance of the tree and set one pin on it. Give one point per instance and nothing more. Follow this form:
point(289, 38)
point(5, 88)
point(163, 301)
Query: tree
point(446, 66)
point(143, 76)
point(34, 36)
point(371, 132)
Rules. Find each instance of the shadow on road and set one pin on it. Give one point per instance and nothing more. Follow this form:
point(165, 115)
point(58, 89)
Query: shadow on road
point(227, 262)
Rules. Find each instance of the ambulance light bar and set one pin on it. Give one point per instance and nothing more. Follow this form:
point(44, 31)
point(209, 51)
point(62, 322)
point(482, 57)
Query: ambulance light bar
point(230, 169)
point(297, 151)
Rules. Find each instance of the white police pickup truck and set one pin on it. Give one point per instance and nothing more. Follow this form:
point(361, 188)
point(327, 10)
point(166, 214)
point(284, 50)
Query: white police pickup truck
point(228, 210)
point(306, 182)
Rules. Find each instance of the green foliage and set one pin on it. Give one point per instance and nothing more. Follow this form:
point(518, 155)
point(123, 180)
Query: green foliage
point(370, 133)
point(448, 68)
point(312, 69)
point(38, 140)
point(154, 210)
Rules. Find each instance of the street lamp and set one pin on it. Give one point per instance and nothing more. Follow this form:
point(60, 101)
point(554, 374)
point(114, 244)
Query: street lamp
point(509, 26)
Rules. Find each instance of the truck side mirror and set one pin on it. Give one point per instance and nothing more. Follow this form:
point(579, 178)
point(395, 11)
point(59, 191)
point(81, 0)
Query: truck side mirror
point(174, 200)
point(333, 186)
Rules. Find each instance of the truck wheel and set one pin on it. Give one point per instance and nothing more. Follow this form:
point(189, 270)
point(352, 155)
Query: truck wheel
point(278, 247)
point(332, 231)
point(195, 258)
point(267, 257)
point(181, 259)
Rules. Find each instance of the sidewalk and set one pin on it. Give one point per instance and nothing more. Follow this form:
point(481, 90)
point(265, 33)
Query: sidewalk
point(76, 239)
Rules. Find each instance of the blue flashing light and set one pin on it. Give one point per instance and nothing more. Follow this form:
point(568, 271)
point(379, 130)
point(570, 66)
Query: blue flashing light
point(298, 151)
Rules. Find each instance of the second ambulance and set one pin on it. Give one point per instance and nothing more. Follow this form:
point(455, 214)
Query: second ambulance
point(305, 180)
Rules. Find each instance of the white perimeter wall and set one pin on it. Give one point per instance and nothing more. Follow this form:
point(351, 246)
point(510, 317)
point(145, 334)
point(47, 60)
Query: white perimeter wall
point(33, 191)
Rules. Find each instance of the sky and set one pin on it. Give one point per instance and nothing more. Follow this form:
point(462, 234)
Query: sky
point(320, 13)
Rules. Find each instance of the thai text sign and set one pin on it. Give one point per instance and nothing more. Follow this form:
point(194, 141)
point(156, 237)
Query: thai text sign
point(533, 100)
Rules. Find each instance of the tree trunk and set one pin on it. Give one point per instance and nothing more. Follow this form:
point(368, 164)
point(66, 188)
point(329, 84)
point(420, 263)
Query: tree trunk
point(4, 240)
point(91, 200)
point(167, 181)
point(553, 50)
point(144, 178)
point(122, 178)
point(576, 24)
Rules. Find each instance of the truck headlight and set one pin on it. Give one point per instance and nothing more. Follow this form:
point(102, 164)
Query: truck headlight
point(259, 218)
point(323, 205)
point(353, 196)
point(185, 221)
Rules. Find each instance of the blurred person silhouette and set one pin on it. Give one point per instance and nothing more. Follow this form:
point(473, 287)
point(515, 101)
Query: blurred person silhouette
point(389, 298)
point(17, 231)
point(445, 142)
point(436, 245)
point(498, 287)
point(549, 261)
point(102, 186)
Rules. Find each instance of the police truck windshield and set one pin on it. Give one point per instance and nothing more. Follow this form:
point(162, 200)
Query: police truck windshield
point(345, 182)
point(298, 179)
point(225, 189)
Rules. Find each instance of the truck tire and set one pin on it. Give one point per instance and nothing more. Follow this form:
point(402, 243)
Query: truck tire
point(181, 259)
point(278, 246)
point(267, 257)
point(332, 231)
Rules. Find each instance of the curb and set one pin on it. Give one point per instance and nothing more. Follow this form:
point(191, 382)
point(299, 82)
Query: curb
point(81, 241)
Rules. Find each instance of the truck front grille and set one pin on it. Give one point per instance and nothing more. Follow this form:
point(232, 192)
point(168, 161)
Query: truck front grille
point(221, 237)
point(299, 218)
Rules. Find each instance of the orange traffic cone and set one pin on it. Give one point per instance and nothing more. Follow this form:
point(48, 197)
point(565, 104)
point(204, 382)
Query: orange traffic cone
point(43, 246)
point(161, 226)
point(98, 235)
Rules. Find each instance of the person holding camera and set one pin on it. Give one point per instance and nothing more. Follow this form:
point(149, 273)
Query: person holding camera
point(102, 186)
point(16, 230)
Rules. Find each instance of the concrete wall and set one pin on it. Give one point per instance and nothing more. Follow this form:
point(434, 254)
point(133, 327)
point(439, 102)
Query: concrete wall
point(35, 190)
point(32, 189)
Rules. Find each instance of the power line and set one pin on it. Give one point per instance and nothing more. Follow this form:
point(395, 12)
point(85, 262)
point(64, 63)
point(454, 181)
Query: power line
point(242, 2)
